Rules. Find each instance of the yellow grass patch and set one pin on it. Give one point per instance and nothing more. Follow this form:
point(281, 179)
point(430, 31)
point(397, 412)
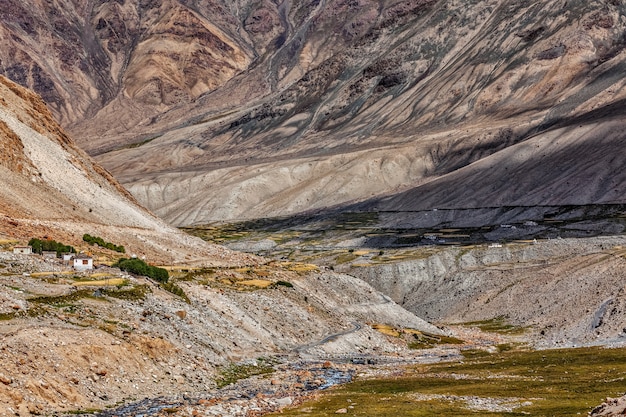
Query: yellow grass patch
point(43, 274)
point(395, 257)
point(259, 283)
point(102, 282)
point(99, 275)
point(361, 252)
point(303, 267)
point(283, 236)
point(386, 330)
point(262, 272)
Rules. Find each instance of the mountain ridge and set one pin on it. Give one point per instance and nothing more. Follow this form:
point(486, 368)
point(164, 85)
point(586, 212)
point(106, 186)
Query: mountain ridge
point(378, 96)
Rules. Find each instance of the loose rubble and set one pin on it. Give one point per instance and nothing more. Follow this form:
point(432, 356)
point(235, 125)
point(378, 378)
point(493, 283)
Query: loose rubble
point(612, 407)
point(68, 345)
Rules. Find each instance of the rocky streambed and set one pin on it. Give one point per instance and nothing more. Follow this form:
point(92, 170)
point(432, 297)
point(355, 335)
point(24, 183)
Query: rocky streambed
point(288, 385)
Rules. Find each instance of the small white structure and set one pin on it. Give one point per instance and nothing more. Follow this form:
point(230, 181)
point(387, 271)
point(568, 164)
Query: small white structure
point(82, 262)
point(22, 250)
point(67, 258)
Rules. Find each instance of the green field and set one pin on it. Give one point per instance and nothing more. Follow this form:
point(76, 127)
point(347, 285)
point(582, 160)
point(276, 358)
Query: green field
point(565, 382)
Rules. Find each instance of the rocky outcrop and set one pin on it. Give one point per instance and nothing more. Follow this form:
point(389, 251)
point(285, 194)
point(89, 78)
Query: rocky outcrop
point(612, 407)
point(564, 292)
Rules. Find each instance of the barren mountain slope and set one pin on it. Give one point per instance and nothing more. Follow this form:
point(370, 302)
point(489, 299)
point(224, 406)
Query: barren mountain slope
point(146, 56)
point(276, 109)
point(468, 100)
point(568, 166)
point(563, 292)
point(51, 188)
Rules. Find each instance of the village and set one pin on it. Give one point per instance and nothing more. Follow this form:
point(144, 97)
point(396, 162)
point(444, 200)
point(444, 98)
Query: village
point(22, 267)
point(77, 261)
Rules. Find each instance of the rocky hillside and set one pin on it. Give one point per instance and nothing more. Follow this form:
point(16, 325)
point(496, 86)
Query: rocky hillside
point(223, 110)
point(82, 56)
point(74, 342)
point(50, 188)
point(563, 292)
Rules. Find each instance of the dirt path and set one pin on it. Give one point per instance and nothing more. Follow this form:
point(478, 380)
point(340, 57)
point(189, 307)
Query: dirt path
point(329, 338)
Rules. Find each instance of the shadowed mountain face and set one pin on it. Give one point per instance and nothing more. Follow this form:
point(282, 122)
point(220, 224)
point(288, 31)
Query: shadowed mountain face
point(231, 110)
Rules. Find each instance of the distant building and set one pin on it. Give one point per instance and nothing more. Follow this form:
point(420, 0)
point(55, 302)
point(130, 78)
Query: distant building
point(67, 257)
point(82, 262)
point(22, 250)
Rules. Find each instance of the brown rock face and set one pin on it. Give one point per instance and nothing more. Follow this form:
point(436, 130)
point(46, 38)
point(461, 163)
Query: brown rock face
point(216, 110)
point(13, 150)
point(81, 56)
point(180, 57)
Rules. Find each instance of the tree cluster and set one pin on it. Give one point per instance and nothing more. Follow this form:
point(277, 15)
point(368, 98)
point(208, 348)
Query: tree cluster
point(139, 267)
point(93, 240)
point(50, 245)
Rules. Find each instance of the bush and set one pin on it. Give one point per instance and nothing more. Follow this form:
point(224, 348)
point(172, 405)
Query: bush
point(235, 372)
point(40, 246)
point(92, 240)
point(176, 290)
point(139, 267)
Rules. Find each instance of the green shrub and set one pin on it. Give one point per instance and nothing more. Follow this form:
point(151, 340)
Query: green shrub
point(234, 372)
point(176, 290)
point(92, 240)
point(135, 293)
point(139, 267)
point(285, 284)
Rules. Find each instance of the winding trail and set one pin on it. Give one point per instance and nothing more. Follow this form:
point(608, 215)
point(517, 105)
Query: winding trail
point(356, 328)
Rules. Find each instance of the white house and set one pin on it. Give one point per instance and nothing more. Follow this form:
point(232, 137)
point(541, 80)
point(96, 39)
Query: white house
point(67, 258)
point(22, 250)
point(82, 262)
